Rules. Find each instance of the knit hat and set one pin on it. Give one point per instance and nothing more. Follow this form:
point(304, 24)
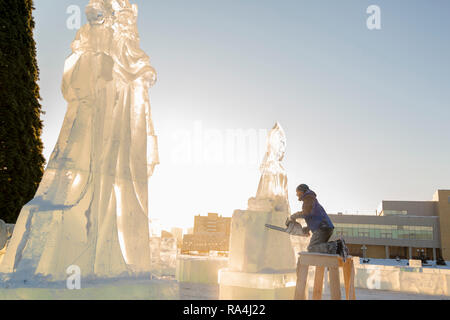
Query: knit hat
point(303, 188)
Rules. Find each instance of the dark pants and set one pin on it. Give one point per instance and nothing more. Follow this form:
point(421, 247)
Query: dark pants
point(319, 241)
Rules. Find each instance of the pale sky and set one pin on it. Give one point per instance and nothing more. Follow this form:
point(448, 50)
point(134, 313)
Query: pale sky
point(366, 113)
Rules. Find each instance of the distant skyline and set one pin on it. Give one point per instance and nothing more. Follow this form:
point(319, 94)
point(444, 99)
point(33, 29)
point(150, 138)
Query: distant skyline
point(366, 113)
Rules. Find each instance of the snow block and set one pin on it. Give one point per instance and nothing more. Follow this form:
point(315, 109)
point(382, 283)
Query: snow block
point(194, 269)
point(430, 281)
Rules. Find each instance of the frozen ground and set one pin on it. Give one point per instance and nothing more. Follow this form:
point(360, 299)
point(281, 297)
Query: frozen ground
point(189, 291)
point(170, 290)
point(117, 289)
point(404, 263)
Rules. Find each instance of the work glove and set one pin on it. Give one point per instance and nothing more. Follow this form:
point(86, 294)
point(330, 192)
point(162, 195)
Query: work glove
point(293, 228)
point(296, 216)
point(290, 219)
point(296, 229)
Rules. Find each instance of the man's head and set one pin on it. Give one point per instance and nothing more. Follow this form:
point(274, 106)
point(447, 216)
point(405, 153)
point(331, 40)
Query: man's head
point(301, 190)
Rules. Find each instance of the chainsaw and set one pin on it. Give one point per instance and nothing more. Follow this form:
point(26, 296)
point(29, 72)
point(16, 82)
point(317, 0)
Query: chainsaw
point(292, 227)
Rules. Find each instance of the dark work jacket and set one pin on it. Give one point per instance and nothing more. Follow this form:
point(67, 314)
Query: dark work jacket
point(317, 218)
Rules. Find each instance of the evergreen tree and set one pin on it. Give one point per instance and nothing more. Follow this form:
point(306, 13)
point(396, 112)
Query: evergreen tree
point(21, 159)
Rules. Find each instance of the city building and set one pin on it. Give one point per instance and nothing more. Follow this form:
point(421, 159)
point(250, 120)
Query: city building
point(213, 223)
point(405, 229)
point(210, 233)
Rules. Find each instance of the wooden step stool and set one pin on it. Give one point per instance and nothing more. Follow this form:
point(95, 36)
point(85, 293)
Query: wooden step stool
point(321, 261)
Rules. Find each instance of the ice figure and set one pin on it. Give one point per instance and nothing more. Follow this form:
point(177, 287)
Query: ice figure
point(91, 207)
point(254, 248)
point(273, 188)
point(262, 261)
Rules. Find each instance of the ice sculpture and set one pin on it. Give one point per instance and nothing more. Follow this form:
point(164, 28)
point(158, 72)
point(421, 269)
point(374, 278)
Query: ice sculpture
point(91, 207)
point(272, 190)
point(259, 255)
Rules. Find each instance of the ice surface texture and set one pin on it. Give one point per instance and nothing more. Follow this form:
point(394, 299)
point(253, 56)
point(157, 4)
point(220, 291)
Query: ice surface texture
point(273, 187)
point(273, 181)
point(254, 248)
point(91, 207)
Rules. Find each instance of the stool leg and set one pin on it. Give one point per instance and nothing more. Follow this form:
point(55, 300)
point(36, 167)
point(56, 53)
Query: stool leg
point(318, 283)
point(335, 286)
point(302, 278)
point(347, 275)
point(352, 282)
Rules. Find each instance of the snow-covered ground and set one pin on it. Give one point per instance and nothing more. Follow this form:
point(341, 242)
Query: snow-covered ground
point(115, 289)
point(190, 291)
point(170, 289)
point(403, 263)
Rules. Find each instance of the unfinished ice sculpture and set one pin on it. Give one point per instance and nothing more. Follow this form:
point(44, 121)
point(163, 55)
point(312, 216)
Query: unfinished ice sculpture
point(91, 207)
point(272, 189)
point(254, 248)
point(262, 261)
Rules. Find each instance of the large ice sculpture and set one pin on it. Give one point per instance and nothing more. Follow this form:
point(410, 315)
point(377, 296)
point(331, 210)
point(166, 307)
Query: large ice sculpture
point(256, 252)
point(91, 207)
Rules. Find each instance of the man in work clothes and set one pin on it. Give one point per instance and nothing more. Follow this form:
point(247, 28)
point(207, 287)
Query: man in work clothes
point(319, 223)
